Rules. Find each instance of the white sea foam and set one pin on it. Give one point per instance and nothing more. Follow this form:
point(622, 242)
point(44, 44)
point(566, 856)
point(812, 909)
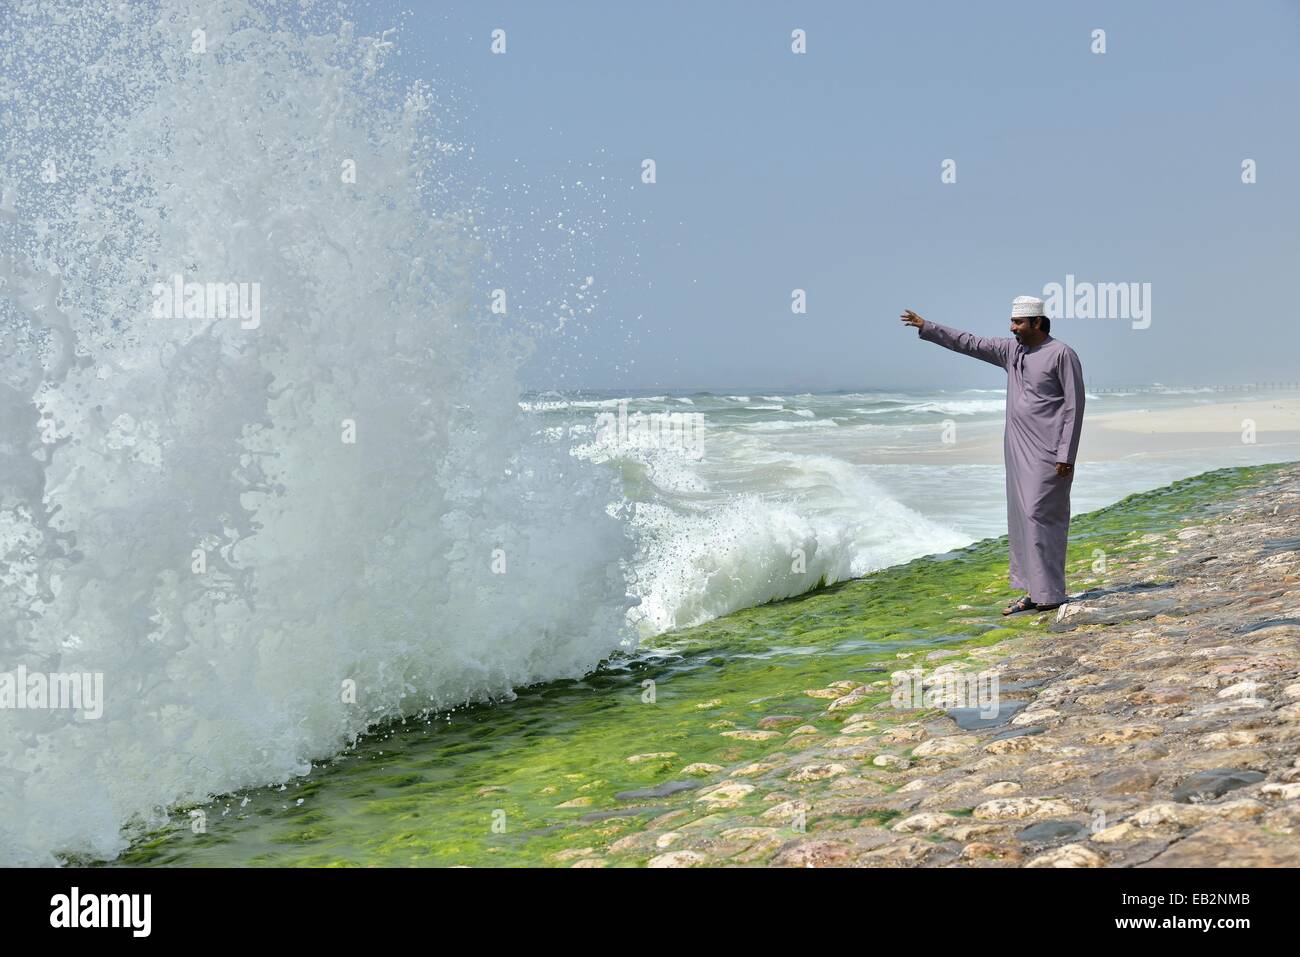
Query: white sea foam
point(946, 407)
point(787, 425)
point(560, 405)
point(135, 450)
point(700, 560)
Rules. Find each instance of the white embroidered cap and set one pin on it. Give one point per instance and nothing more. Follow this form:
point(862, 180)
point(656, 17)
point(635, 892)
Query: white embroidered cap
point(1026, 307)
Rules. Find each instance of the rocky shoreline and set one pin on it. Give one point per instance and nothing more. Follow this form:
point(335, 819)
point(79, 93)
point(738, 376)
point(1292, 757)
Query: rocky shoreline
point(1152, 721)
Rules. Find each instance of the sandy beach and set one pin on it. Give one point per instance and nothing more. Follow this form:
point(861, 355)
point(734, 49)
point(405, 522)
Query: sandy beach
point(1194, 428)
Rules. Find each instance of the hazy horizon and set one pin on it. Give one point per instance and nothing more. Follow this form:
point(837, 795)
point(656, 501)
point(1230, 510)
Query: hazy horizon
point(822, 171)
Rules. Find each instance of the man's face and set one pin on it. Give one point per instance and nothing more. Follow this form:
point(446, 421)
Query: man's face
point(1023, 329)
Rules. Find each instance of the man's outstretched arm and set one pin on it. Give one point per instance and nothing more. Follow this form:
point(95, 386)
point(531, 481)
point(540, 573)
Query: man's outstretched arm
point(995, 351)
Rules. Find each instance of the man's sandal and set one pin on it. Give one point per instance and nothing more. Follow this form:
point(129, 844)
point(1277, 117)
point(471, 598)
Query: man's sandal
point(1024, 603)
point(1020, 604)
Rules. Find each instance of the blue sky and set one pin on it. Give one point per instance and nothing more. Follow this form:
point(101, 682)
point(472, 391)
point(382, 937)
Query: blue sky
point(822, 171)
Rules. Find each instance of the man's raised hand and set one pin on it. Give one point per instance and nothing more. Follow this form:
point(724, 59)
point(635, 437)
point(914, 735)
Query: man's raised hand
point(912, 319)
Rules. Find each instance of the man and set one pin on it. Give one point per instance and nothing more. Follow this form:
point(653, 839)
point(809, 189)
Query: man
point(1044, 417)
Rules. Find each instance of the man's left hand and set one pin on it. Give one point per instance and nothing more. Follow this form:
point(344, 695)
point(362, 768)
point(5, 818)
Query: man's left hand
point(1064, 468)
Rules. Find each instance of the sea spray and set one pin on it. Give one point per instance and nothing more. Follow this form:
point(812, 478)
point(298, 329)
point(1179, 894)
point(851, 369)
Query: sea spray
point(267, 537)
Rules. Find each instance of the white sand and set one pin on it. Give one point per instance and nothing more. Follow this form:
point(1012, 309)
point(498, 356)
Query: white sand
point(1204, 428)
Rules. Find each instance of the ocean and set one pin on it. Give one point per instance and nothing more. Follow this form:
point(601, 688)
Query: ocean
point(769, 493)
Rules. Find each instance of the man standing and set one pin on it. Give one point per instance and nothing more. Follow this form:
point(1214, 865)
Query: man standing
point(1044, 417)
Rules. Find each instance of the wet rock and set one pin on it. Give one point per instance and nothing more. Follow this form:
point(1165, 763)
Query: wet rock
point(907, 851)
point(572, 853)
point(754, 770)
point(651, 756)
point(1167, 813)
point(1002, 746)
point(1245, 809)
point(891, 761)
point(1047, 832)
point(848, 701)
point(1243, 689)
point(1284, 819)
point(1032, 808)
point(1281, 792)
point(731, 794)
point(951, 745)
point(1134, 732)
point(977, 719)
point(1220, 740)
point(1214, 783)
point(700, 769)
point(709, 822)
point(1121, 613)
point(1019, 732)
point(583, 801)
point(750, 833)
point(778, 721)
point(658, 791)
point(751, 735)
point(1118, 833)
point(639, 841)
point(744, 845)
point(925, 823)
point(817, 772)
point(1056, 772)
point(984, 850)
point(1069, 610)
point(678, 859)
point(1128, 780)
point(814, 853)
point(666, 819)
point(904, 734)
point(1283, 623)
point(1002, 788)
point(1071, 855)
point(1247, 758)
point(1158, 696)
point(1229, 844)
point(851, 784)
point(786, 811)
